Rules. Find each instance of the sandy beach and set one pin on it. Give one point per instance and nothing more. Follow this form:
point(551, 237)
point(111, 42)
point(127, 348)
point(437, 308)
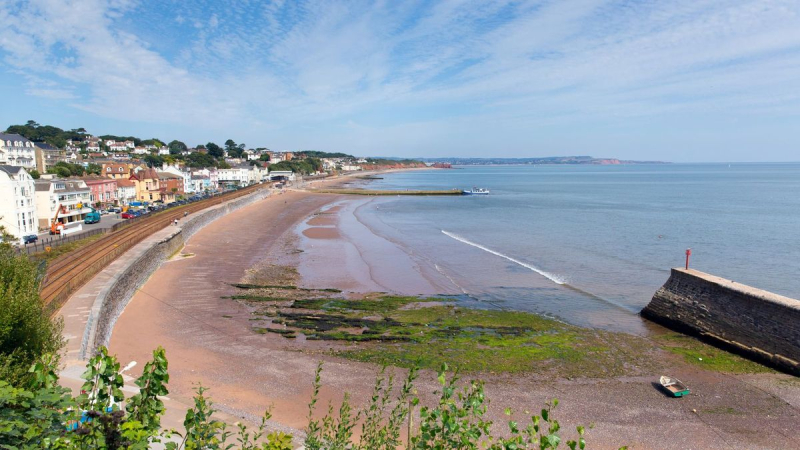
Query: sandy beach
point(209, 339)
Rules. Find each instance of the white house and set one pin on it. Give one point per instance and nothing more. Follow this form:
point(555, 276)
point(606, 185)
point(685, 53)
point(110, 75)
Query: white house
point(17, 201)
point(73, 195)
point(239, 176)
point(17, 151)
point(163, 151)
point(126, 191)
point(281, 175)
point(350, 167)
point(186, 175)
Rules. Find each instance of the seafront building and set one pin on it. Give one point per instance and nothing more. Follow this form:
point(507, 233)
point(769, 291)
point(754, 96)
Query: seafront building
point(17, 151)
point(117, 171)
point(17, 201)
point(62, 200)
point(103, 191)
point(126, 192)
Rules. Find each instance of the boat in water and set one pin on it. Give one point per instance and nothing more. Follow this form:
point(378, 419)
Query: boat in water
point(476, 191)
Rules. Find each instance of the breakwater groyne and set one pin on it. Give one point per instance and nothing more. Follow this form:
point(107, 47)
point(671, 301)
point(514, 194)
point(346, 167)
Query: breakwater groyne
point(750, 321)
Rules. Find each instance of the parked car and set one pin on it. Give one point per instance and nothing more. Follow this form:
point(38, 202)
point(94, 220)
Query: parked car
point(116, 210)
point(30, 239)
point(128, 215)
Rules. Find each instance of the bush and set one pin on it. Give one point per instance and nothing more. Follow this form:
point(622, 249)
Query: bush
point(26, 330)
point(45, 415)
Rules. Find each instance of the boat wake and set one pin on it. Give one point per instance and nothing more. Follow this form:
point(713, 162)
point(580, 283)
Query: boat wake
point(555, 279)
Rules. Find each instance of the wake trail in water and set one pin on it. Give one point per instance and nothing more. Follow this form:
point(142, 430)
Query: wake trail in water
point(554, 278)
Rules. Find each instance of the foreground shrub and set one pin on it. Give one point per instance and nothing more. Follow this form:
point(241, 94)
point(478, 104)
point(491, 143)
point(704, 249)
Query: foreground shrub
point(26, 330)
point(44, 415)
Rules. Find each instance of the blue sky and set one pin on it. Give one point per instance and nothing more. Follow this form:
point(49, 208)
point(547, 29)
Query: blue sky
point(668, 80)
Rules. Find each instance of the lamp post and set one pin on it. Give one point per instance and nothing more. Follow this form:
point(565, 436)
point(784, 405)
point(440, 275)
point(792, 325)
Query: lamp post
point(688, 254)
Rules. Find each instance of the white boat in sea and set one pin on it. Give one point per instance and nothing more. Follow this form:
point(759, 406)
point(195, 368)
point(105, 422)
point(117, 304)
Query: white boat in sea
point(476, 191)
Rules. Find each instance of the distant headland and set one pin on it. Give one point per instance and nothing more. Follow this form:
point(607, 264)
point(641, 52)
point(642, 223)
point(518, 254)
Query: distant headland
point(582, 160)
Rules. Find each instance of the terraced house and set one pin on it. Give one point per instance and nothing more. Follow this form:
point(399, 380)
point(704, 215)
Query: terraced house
point(17, 151)
point(69, 197)
point(17, 203)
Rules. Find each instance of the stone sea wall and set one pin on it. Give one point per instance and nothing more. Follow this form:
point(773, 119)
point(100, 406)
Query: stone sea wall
point(754, 322)
point(132, 269)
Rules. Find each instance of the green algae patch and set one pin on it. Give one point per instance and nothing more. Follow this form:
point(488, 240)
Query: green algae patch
point(426, 332)
point(708, 357)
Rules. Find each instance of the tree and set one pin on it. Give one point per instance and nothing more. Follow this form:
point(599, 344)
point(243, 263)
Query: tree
point(34, 174)
point(198, 159)
point(176, 147)
point(215, 150)
point(94, 169)
point(264, 157)
point(65, 169)
point(153, 160)
point(26, 330)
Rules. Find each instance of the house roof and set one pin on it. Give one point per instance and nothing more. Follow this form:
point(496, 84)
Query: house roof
point(13, 137)
point(69, 185)
point(125, 183)
point(10, 170)
point(145, 174)
point(45, 146)
point(163, 175)
point(95, 179)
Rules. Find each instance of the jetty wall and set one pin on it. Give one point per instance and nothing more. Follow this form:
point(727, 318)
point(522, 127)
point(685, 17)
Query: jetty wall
point(753, 322)
point(131, 270)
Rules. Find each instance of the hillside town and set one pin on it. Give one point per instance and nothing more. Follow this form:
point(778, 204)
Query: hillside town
point(48, 184)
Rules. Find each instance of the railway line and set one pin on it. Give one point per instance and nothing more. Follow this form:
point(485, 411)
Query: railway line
point(69, 272)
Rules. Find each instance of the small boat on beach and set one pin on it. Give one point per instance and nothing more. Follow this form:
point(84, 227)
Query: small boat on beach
point(674, 386)
point(476, 191)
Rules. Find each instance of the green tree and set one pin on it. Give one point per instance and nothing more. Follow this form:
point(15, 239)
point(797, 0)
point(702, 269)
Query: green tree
point(215, 150)
point(34, 174)
point(198, 159)
point(264, 157)
point(94, 169)
point(153, 160)
point(176, 147)
point(26, 330)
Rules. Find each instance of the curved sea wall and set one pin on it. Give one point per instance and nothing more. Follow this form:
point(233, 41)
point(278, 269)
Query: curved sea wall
point(131, 270)
point(757, 323)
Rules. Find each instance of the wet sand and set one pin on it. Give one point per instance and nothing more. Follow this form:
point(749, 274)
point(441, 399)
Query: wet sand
point(209, 341)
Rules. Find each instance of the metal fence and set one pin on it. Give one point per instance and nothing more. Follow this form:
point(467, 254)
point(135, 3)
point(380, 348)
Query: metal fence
point(57, 240)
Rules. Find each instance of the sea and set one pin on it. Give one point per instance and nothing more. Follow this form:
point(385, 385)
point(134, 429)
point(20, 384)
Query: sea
point(590, 245)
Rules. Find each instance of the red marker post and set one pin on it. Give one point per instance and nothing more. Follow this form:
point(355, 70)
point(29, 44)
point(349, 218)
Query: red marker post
point(688, 254)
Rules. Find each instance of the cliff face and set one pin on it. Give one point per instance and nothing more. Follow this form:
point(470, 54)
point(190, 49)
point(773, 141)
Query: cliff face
point(760, 324)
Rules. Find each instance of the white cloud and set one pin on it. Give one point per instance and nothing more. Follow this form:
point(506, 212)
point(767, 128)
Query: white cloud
point(288, 66)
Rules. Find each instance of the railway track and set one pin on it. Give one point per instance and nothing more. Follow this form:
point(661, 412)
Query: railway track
point(69, 272)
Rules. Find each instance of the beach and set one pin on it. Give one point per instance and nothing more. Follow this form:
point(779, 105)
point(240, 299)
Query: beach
point(317, 241)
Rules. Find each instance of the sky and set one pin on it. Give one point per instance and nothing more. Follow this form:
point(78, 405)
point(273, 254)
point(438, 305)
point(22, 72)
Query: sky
point(672, 80)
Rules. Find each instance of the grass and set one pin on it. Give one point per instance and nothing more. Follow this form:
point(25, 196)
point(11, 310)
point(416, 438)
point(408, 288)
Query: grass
point(55, 252)
point(700, 354)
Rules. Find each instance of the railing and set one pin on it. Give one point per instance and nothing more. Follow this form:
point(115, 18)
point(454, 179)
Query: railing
point(57, 240)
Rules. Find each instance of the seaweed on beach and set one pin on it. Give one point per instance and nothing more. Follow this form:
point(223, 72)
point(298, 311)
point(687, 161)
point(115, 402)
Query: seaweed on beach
point(282, 287)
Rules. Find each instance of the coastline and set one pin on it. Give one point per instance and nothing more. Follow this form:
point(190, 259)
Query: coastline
point(209, 338)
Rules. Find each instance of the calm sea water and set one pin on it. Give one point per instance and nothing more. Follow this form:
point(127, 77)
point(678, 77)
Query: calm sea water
point(591, 244)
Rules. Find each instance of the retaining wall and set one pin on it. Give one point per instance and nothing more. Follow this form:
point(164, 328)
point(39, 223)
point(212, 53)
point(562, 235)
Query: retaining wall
point(132, 269)
point(757, 323)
